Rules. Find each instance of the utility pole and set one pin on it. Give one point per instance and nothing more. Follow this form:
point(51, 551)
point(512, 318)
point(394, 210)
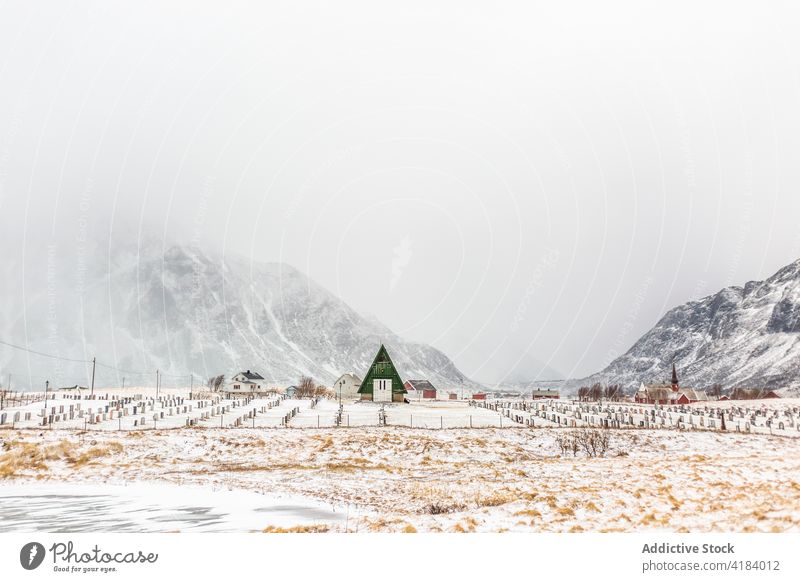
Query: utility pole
point(94, 362)
point(6, 392)
point(157, 383)
point(123, 382)
point(46, 386)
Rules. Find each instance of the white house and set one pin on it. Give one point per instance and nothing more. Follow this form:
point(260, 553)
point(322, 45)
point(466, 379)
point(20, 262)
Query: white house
point(346, 387)
point(246, 383)
point(75, 388)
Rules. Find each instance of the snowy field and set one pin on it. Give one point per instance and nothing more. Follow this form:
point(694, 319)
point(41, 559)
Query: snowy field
point(394, 479)
point(154, 507)
point(133, 410)
point(779, 417)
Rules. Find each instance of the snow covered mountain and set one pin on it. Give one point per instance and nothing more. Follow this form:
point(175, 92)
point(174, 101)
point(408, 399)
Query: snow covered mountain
point(742, 336)
point(184, 311)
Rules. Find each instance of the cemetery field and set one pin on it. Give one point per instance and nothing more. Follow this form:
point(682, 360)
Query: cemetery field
point(397, 479)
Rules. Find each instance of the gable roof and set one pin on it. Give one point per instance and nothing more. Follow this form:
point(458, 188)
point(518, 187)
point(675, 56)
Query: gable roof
point(386, 371)
point(421, 385)
point(694, 395)
point(251, 375)
point(657, 391)
point(544, 392)
point(753, 393)
point(351, 375)
point(665, 392)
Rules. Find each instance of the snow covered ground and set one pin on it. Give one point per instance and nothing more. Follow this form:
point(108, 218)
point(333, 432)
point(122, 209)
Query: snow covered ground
point(397, 479)
point(134, 410)
point(153, 507)
point(771, 417)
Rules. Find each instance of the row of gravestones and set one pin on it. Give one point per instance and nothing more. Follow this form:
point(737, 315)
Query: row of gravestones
point(192, 421)
point(290, 415)
point(59, 413)
point(59, 409)
point(790, 415)
point(264, 408)
point(570, 417)
point(711, 419)
point(103, 414)
point(49, 419)
point(85, 397)
point(7, 418)
point(125, 400)
point(216, 410)
point(515, 416)
point(239, 421)
point(623, 418)
point(109, 412)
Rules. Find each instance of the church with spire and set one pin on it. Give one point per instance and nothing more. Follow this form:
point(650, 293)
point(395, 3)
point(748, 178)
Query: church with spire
point(671, 393)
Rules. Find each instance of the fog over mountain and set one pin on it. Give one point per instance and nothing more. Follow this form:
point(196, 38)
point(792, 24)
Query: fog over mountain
point(184, 311)
point(528, 189)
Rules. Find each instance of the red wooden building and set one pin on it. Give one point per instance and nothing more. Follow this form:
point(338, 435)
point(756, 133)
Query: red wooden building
point(420, 389)
point(670, 393)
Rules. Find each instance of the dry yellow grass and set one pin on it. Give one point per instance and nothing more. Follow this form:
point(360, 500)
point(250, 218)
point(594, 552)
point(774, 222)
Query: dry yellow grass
point(466, 525)
point(94, 453)
point(382, 524)
point(297, 529)
point(528, 513)
point(495, 499)
point(590, 506)
point(22, 457)
point(439, 480)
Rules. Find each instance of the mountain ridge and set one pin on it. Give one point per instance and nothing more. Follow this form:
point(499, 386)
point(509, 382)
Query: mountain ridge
point(184, 310)
point(741, 336)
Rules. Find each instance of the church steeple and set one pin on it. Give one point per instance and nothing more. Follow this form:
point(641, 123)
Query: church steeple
point(674, 378)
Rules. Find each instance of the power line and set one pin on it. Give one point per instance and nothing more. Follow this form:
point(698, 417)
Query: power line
point(148, 373)
point(87, 361)
point(43, 354)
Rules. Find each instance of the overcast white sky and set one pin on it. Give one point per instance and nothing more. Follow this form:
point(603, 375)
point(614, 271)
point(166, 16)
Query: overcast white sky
point(520, 185)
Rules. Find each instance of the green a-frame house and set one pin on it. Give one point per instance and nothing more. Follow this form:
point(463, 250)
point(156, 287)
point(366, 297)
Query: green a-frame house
point(382, 383)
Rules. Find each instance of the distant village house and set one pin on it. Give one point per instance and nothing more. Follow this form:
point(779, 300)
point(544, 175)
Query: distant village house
point(419, 389)
point(544, 393)
point(752, 394)
point(346, 387)
point(247, 382)
point(75, 388)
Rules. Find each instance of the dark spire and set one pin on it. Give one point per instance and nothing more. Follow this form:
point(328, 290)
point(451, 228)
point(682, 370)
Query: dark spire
point(674, 375)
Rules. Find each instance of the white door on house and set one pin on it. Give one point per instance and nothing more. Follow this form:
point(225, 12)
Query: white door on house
point(382, 390)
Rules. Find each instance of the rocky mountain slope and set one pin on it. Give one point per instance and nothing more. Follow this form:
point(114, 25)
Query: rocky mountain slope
point(183, 311)
point(742, 336)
